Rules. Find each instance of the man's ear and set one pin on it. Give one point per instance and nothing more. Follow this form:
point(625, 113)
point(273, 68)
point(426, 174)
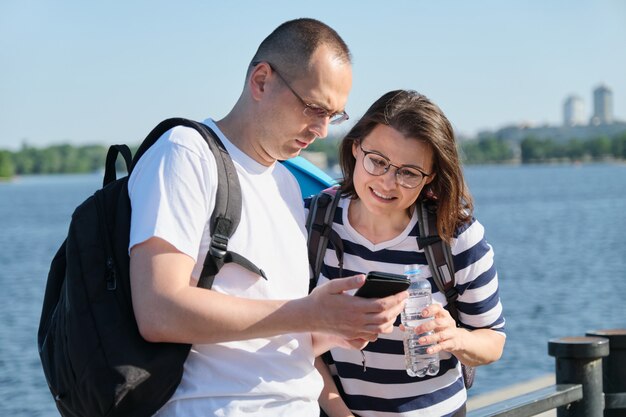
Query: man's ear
point(258, 79)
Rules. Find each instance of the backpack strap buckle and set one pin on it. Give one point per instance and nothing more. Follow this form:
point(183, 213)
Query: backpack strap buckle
point(218, 246)
point(422, 242)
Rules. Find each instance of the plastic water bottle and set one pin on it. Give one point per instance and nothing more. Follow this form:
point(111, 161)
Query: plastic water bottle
point(418, 362)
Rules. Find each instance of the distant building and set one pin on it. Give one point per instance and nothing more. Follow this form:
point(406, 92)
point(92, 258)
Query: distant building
point(517, 133)
point(602, 106)
point(601, 123)
point(573, 112)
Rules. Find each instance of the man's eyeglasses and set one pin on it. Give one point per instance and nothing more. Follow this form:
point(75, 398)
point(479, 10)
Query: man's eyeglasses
point(406, 175)
point(310, 109)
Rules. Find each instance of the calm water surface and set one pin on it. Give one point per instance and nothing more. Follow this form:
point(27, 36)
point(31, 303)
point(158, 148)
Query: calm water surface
point(557, 231)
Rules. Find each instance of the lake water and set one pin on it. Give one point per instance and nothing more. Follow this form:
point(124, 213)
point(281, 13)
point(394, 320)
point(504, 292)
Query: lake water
point(558, 234)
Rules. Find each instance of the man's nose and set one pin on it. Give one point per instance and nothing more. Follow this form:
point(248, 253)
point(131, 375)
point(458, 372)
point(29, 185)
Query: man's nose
point(319, 127)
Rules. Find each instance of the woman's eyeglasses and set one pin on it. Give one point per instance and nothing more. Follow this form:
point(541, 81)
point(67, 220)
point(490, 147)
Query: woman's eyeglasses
point(406, 175)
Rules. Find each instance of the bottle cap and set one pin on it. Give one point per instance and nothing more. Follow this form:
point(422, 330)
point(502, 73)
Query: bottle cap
point(412, 269)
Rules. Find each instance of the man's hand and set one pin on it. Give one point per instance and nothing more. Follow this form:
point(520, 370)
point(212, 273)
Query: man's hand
point(351, 317)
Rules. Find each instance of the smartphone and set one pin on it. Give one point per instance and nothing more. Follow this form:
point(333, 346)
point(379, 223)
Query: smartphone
point(382, 284)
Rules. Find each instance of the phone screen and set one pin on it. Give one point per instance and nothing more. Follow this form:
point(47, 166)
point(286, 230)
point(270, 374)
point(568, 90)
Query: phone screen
point(382, 284)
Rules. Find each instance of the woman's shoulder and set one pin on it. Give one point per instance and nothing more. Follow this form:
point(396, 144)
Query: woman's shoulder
point(330, 191)
point(468, 233)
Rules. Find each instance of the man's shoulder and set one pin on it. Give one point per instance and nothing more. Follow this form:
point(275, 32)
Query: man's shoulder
point(186, 139)
point(180, 149)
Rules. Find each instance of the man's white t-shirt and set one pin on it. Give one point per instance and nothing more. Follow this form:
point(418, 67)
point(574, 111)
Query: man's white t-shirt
point(172, 191)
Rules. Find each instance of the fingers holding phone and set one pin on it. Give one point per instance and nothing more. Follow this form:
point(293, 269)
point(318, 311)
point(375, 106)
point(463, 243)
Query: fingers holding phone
point(382, 284)
point(384, 287)
point(362, 317)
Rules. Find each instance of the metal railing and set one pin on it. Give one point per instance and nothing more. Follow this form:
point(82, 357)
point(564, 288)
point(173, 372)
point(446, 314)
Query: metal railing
point(590, 380)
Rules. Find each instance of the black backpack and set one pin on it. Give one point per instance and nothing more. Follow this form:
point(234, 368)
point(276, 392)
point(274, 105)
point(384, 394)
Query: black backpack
point(94, 359)
point(319, 225)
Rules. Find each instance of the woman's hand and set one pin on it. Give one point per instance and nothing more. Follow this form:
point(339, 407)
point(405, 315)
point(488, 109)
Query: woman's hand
point(477, 347)
point(446, 335)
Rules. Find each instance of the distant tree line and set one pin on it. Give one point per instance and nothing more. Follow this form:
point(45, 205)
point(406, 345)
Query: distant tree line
point(535, 150)
point(490, 150)
point(66, 158)
point(595, 149)
point(57, 159)
point(486, 150)
point(7, 168)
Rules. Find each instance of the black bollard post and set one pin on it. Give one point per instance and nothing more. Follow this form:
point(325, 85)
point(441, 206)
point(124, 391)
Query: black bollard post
point(579, 361)
point(614, 372)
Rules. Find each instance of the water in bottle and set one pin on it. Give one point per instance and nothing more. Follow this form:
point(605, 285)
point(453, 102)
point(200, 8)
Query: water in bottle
point(418, 362)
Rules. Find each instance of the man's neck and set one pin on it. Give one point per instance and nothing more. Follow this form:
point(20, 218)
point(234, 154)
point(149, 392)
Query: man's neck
point(239, 134)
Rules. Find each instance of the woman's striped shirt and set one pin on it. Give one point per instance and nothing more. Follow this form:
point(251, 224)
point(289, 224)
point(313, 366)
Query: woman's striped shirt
point(381, 386)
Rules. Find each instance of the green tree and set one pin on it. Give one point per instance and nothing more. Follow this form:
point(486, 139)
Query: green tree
point(59, 159)
point(533, 150)
point(575, 149)
point(470, 152)
point(496, 150)
point(7, 168)
point(486, 150)
point(51, 160)
point(92, 157)
point(599, 147)
point(24, 160)
point(618, 146)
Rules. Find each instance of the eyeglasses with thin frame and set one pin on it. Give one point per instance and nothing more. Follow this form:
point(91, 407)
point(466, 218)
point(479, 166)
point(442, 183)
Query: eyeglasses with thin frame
point(310, 109)
point(378, 164)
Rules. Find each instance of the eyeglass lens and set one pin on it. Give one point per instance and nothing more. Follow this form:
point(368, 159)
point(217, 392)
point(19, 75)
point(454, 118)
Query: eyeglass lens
point(318, 112)
point(405, 176)
point(311, 110)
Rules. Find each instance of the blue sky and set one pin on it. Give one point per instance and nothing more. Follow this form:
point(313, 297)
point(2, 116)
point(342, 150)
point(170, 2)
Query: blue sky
point(103, 72)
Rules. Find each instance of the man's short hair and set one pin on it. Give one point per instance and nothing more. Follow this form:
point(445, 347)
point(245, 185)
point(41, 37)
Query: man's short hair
point(291, 45)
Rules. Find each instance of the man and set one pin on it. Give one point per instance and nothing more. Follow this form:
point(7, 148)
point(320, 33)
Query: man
point(254, 339)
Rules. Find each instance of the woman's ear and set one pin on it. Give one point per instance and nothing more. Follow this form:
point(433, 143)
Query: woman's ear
point(355, 148)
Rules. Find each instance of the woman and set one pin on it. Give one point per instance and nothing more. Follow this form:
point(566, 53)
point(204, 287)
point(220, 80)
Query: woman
point(403, 149)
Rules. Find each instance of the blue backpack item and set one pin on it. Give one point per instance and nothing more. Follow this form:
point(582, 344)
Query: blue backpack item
point(94, 359)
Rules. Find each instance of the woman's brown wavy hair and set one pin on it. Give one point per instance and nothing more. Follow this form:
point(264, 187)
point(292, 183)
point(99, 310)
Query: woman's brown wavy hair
point(415, 116)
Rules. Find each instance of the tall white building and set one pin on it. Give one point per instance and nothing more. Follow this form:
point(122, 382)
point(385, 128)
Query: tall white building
point(573, 111)
point(602, 106)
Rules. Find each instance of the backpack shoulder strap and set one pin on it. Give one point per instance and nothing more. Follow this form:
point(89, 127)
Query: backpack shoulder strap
point(438, 253)
point(109, 166)
point(319, 225)
point(227, 213)
point(439, 257)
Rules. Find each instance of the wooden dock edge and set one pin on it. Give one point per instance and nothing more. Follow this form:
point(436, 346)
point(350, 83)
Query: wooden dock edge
point(514, 390)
